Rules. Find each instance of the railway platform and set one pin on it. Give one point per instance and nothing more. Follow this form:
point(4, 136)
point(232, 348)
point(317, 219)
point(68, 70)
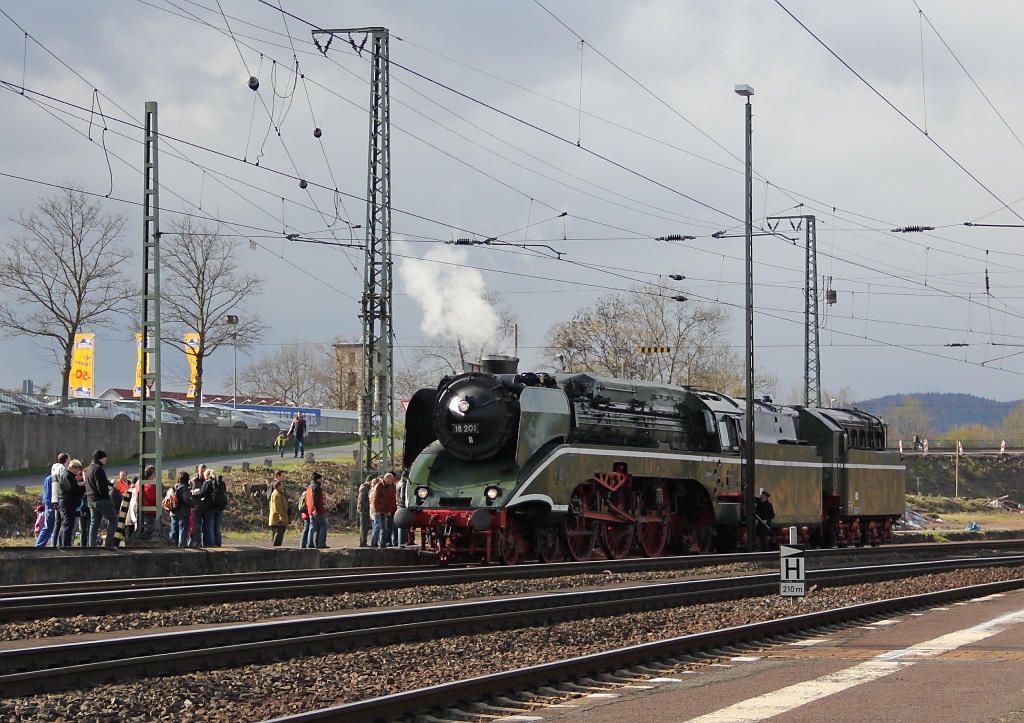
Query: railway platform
point(962, 662)
point(30, 565)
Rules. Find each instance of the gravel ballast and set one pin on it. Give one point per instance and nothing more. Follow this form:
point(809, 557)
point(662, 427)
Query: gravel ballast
point(258, 692)
point(251, 611)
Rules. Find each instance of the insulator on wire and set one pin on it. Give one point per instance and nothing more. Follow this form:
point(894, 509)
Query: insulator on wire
point(302, 183)
point(254, 82)
point(913, 229)
point(987, 291)
point(317, 132)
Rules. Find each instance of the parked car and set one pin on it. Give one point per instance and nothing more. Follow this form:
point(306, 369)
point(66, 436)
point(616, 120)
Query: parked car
point(228, 417)
point(165, 416)
point(26, 404)
point(188, 413)
point(100, 408)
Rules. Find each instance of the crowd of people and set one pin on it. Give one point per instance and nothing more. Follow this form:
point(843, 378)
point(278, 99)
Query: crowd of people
point(196, 504)
point(312, 509)
point(379, 498)
point(83, 501)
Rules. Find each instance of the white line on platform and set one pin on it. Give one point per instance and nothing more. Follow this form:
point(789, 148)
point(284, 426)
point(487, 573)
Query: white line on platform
point(786, 699)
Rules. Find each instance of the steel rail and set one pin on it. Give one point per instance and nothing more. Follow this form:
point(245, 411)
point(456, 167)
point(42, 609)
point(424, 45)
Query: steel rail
point(48, 667)
point(405, 704)
point(17, 603)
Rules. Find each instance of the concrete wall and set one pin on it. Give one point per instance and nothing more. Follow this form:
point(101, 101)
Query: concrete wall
point(33, 440)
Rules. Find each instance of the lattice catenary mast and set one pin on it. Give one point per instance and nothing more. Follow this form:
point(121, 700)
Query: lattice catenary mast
point(812, 358)
point(150, 447)
point(376, 405)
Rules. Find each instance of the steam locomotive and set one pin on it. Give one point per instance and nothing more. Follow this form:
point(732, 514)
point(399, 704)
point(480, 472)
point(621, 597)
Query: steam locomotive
point(505, 466)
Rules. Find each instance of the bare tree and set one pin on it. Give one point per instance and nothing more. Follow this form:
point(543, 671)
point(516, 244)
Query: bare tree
point(604, 338)
point(296, 373)
point(1012, 427)
point(909, 417)
point(842, 398)
point(202, 282)
point(64, 273)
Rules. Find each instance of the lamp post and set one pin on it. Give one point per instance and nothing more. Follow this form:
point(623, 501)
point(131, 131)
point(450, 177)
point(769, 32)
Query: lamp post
point(232, 321)
point(748, 492)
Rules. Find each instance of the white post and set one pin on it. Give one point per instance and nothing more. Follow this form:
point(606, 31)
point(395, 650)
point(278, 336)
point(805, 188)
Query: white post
point(792, 535)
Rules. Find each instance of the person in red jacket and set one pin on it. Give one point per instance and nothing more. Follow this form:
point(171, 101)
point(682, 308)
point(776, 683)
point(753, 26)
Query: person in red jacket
point(317, 506)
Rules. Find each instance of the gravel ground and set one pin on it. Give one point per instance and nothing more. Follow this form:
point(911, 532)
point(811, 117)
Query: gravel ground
point(258, 692)
point(252, 611)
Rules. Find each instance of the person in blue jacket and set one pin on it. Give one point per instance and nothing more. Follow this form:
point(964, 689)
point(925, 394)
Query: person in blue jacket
point(47, 532)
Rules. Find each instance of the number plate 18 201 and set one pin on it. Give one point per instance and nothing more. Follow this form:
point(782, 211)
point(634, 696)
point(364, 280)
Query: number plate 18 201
point(466, 428)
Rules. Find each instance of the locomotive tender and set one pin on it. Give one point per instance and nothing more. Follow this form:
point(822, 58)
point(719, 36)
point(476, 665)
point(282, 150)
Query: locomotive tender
point(504, 465)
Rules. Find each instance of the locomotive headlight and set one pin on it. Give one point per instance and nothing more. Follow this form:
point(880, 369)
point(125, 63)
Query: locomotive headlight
point(422, 493)
point(460, 406)
point(492, 493)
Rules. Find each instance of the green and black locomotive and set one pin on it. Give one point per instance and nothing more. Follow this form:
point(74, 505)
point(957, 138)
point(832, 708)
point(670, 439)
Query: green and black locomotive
point(506, 465)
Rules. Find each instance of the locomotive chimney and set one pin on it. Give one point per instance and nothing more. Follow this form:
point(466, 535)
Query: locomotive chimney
point(500, 364)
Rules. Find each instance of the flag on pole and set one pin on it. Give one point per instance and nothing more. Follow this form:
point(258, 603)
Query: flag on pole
point(192, 352)
point(82, 366)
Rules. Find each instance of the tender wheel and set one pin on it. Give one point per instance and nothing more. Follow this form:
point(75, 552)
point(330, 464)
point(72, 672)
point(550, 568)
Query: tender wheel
point(549, 548)
point(508, 543)
point(580, 533)
point(653, 526)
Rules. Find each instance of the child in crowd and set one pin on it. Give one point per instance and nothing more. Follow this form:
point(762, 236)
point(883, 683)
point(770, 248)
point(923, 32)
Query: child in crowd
point(281, 442)
point(40, 519)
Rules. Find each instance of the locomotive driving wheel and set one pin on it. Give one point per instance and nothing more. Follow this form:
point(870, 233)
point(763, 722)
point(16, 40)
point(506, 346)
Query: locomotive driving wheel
point(508, 543)
point(548, 546)
point(617, 537)
point(581, 532)
point(653, 525)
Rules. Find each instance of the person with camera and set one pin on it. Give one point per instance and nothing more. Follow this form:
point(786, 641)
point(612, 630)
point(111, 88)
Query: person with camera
point(202, 499)
point(179, 504)
point(70, 493)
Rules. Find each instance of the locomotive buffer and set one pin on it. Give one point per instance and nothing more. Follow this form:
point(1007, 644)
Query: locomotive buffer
point(792, 570)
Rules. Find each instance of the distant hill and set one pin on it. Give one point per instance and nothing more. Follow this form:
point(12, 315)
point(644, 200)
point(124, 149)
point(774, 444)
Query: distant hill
point(947, 410)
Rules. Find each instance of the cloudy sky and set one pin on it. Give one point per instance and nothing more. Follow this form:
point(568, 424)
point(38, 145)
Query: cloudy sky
point(873, 115)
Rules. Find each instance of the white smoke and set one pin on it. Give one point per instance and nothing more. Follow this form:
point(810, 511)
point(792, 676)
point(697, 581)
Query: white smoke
point(452, 297)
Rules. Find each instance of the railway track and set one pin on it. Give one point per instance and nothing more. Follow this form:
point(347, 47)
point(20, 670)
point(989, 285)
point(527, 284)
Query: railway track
point(49, 667)
point(501, 694)
point(33, 602)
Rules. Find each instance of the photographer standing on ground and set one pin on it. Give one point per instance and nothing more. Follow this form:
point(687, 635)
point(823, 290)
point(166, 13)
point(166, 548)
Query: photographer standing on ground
point(97, 491)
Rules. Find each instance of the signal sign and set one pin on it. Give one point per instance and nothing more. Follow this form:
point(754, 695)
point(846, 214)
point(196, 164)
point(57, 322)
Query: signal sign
point(654, 349)
point(792, 570)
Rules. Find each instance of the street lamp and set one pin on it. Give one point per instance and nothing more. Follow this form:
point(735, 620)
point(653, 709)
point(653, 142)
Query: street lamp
point(748, 493)
point(232, 321)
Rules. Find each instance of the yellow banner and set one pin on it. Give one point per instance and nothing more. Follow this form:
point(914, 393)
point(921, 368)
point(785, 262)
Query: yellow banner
point(137, 389)
point(192, 352)
point(82, 366)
